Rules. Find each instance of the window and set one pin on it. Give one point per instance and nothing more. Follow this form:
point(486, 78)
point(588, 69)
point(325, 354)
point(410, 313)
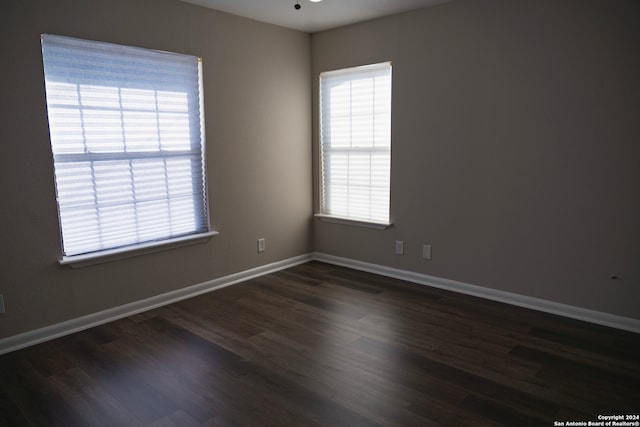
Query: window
point(126, 127)
point(355, 144)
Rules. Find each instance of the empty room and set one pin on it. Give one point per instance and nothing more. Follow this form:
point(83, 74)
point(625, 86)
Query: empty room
point(320, 213)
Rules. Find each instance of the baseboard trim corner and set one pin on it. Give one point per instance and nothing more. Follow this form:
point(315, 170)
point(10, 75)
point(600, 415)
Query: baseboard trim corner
point(546, 306)
point(37, 336)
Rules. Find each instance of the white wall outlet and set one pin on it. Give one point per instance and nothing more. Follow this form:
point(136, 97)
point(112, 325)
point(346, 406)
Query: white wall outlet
point(426, 251)
point(399, 247)
point(1, 304)
point(261, 245)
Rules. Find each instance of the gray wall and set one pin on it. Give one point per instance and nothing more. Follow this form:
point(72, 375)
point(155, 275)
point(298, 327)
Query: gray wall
point(258, 124)
point(516, 146)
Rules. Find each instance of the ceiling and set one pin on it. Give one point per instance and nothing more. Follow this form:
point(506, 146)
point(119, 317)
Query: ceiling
point(313, 17)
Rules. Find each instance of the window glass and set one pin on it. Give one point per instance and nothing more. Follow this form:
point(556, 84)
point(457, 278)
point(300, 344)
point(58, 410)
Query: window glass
point(355, 124)
point(128, 144)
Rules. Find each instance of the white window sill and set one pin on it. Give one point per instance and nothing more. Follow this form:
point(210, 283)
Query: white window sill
point(77, 261)
point(356, 222)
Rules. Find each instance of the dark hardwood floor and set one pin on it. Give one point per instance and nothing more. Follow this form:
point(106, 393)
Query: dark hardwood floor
point(319, 345)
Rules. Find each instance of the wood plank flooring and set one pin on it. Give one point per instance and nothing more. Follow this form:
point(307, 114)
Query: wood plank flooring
point(320, 345)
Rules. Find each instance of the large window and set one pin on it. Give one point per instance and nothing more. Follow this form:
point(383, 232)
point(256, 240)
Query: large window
point(355, 127)
point(126, 127)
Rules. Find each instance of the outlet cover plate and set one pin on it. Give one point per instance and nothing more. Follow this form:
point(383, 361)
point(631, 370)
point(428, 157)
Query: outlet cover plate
point(426, 251)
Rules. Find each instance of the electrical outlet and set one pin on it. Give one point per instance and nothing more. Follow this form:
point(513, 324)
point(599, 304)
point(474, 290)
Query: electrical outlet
point(426, 251)
point(261, 245)
point(399, 247)
point(1, 304)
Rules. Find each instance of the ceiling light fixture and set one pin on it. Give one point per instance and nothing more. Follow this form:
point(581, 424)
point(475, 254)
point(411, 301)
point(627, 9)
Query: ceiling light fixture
point(297, 5)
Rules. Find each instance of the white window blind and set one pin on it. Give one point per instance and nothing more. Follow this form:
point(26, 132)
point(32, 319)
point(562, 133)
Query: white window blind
point(127, 140)
point(355, 125)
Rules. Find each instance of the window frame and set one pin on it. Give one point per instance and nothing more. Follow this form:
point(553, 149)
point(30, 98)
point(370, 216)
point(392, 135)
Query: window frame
point(323, 214)
point(201, 230)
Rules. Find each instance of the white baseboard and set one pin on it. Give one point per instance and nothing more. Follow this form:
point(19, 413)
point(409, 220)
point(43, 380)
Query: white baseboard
point(565, 310)
point(47, 333)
